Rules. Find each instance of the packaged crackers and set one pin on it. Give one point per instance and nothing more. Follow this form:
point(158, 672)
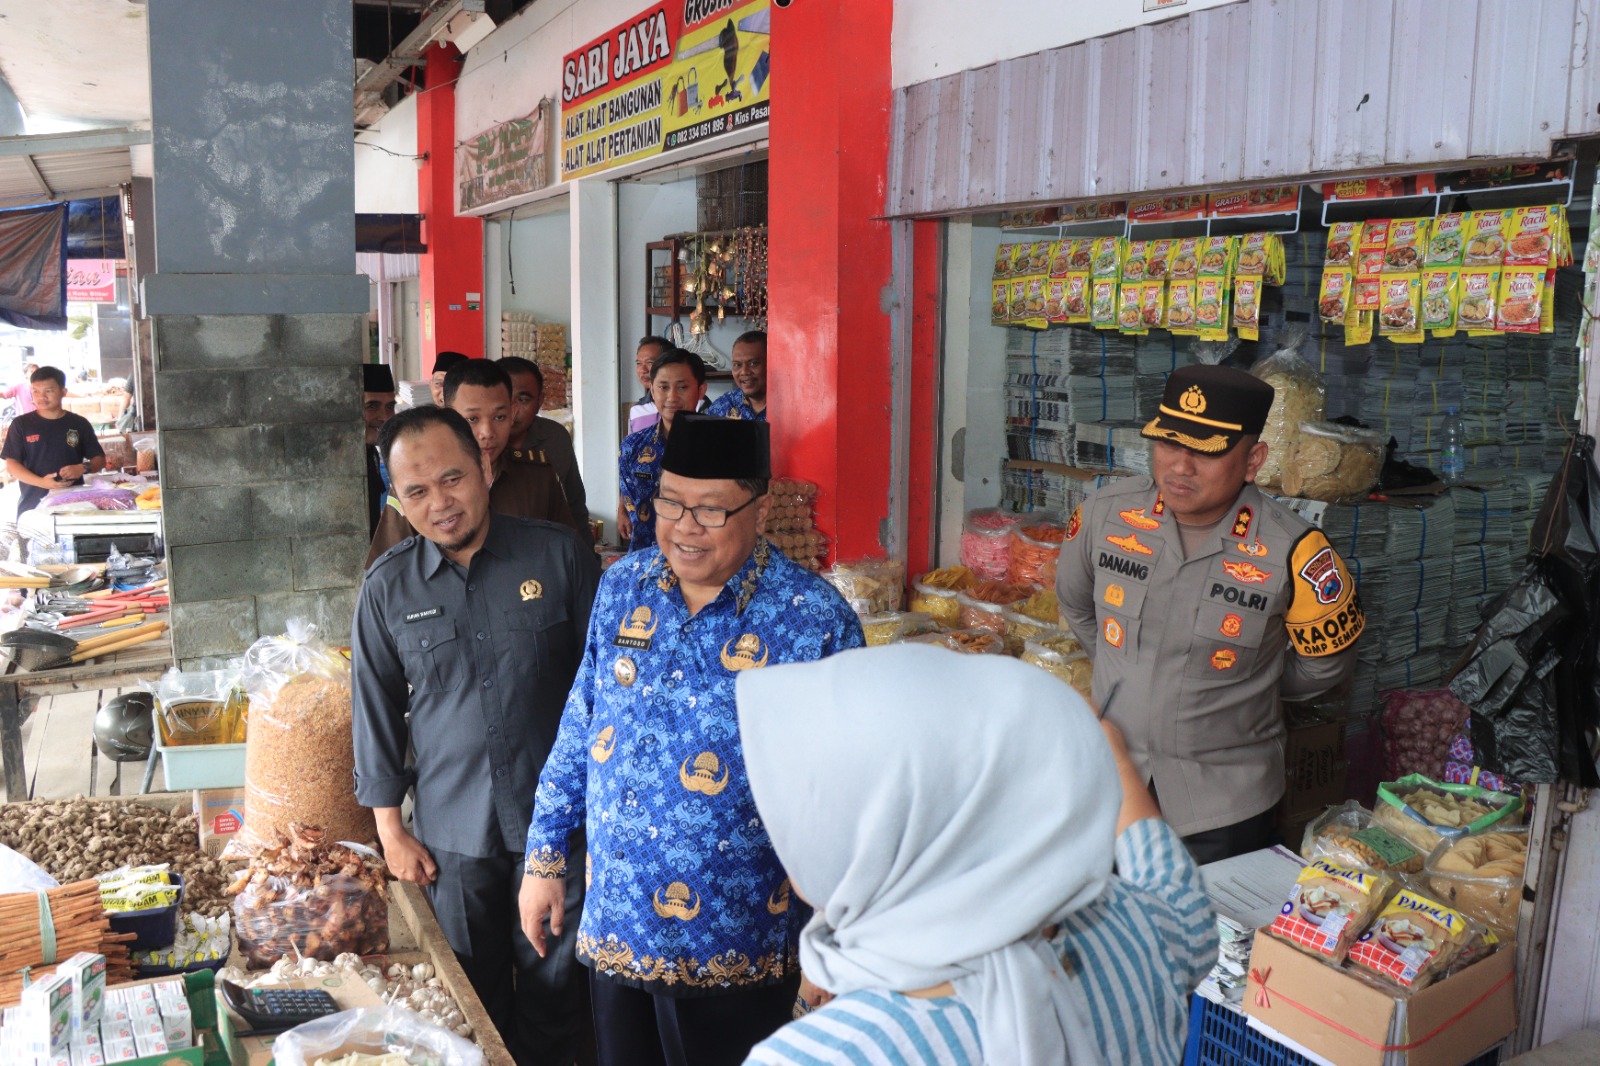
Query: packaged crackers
point(1413, 939)
point(1328, 907)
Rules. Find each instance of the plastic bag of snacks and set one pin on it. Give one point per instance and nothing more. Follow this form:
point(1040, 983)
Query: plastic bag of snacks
point(895, 625)
point(1415, 938)
point(1348, 835)
point(1064, 657)
point(1328, 907)
point(299, 759)
point(966, 641)
point(873, 586)
point(1037, 616)
point(1424, 811)
point(1035, 550)
point(982, 604)
point(1481, 876)
point(200, 707)
point(305, 895)
point(934, 594)
point(1333, 462)
point(986, 543)
point(1417, 727)
point(1300, 397)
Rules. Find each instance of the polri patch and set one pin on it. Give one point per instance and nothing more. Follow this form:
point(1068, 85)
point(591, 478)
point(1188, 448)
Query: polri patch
point(431, 612)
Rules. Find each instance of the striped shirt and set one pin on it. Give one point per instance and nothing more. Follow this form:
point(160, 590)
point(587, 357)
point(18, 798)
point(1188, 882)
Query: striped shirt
point(1134, 955)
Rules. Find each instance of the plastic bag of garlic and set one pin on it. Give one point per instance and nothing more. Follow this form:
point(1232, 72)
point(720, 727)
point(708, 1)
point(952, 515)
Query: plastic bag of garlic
point(415, 987)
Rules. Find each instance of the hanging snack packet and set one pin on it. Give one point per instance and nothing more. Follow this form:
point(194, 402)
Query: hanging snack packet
point(1527, 235)
point(1130, 309)
point(1253, 256)
point(1357, 326)
point(1135, 263)
point(1021, 260)
point(1180, 307)
point(1328, 907)
point(1342, 240)
point(1333, 300)
point(1547, 318)
point(1439, 301)
point(1103, 303)
point(1413, 939)
point(1216, 257)
point(1374, 243)
point(1002, 261)
point(1039, 257)
point(1152, 304)
point(1398, 312)
point(1407, 241)
point(1055, 301)
point(1061, 258)
point(1017, 302)
point(1247, 306)
point(1185, 265)
point(1445, 246)
point(1080, 255)
point(1561, 237)
point(1478, 287)
point(1485, 246)
point(999, 303)
point(1159, 259)
point(1075, 299)
point(1105, 257)
point(1211, 308)
point(1521, 299)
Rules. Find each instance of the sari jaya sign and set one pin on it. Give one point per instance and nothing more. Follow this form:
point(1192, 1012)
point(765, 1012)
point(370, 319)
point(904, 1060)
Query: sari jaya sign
point(682, 72)
point(511, 159)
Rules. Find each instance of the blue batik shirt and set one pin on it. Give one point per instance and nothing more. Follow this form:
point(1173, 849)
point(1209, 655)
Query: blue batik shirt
point(732, 404)
point(638, 477)
point(686, 895)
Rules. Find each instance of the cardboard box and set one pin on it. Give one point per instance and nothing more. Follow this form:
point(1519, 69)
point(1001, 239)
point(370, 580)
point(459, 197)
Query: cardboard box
point(220, 812)
point(1314, 766)
point(1484, 997)
point(257, 1050)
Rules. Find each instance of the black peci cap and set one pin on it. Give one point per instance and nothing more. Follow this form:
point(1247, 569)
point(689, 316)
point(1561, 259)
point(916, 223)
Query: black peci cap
point(1209, 409)
point(376, 377)
point(708, 449)
point(445, 360)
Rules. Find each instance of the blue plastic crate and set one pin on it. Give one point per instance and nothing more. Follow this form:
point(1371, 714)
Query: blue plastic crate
point(1219, 1036)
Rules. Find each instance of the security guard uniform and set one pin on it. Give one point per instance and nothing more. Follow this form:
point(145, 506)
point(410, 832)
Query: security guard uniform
point(1194, 651)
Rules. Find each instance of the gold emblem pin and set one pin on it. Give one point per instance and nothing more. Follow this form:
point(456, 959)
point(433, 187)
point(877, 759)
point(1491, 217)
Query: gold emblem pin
point(1193, 401)
point(625, 672)
point(604, 744)
point(744, 653)
point(674, 902)
point(531, 590)
point(703, 778)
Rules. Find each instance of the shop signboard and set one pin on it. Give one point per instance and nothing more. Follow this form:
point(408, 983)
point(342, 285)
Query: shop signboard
point(511, 159)
point(681, 72)
point(91, 281)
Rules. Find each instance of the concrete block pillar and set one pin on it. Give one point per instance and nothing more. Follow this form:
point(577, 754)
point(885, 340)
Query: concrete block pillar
point(258, 318)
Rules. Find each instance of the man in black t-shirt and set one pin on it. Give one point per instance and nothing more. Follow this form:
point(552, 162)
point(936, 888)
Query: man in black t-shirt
point(50, 447)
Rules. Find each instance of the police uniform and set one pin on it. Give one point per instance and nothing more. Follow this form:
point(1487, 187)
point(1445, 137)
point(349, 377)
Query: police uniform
point(1193, 651)
point(690, 927)
point(470, 668)
point(525, 487)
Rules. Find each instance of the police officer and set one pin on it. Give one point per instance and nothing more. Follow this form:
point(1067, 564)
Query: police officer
point(521, 485)
point(1203, 604)
point(689, 928)
point(377, 407)
point(466, 639)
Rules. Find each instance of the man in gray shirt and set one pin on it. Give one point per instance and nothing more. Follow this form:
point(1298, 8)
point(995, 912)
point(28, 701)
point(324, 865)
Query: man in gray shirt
point(466, 639)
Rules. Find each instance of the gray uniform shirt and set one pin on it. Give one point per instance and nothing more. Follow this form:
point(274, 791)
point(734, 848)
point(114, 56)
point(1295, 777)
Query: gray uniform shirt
point(552, 439)
point(481, 658)
point(1195, 650)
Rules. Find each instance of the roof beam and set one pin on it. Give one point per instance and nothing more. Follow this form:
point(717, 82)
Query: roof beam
point(76, 141)
point(33, 168)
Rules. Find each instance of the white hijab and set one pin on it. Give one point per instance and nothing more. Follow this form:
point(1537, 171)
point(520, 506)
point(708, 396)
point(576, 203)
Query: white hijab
point(938, 810)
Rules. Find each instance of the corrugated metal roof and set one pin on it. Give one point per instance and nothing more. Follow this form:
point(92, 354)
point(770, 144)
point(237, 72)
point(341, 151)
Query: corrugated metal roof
point(32, 179)
point(1264, 90)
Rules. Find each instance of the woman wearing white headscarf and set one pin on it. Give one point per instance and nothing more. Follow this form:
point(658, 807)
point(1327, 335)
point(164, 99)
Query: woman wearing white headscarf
point(940, 811)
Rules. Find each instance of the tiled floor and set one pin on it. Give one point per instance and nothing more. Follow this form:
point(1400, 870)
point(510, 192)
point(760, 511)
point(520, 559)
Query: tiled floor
point(59, 753)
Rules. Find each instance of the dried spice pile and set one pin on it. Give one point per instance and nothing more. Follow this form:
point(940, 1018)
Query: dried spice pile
point(306, 896)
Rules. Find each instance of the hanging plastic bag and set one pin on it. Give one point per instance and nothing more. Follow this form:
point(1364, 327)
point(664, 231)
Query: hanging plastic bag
point(1532, 672)
point(1300, 397)
point(387, 1031)
point(300, 761)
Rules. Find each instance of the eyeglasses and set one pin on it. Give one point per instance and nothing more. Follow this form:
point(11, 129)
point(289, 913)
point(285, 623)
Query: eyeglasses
point(705, 517)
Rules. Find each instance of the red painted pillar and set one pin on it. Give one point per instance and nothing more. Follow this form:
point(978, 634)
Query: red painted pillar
point(830, 262)
point(451, 271)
